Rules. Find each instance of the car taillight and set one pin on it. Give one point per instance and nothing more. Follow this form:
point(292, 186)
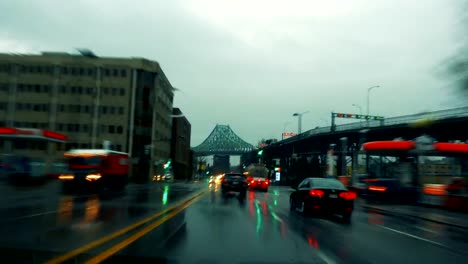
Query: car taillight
point(377, 188)
point(348, 195)
point(267, 182)
point(316, 193)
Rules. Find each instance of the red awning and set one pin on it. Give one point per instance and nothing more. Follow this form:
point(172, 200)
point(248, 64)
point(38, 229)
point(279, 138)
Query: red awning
point(389, 146)
point(451, 147)
point(32, 133)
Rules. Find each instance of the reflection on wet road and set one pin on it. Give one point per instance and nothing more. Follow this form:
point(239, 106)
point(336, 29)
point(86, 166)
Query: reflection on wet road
point(211, 229)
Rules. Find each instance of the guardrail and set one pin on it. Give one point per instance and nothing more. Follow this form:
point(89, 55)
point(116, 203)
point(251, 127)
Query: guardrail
point(398, 120)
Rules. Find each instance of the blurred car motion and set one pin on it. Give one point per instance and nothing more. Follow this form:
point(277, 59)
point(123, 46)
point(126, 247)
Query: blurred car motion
point(166, 177)
point(320, 195)
point(388, 190)
point(234, 182)
point(258, 183)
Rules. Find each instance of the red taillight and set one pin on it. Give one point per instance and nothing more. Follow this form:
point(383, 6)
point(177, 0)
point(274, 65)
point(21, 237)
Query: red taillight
point(377, 188)
point(317, 193)
point(348, 195)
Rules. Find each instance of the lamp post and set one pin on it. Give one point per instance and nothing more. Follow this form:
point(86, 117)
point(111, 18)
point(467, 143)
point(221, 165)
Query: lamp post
point(368, 100)
point(299, 121)
point(284, 128)
point(360, 112)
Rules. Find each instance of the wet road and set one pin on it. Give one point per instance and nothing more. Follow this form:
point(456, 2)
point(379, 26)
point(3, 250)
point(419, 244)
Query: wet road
point(41, 224)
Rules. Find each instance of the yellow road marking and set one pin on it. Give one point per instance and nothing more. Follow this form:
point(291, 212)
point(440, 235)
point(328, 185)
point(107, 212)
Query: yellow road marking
point(117, 233)
point(118, 247)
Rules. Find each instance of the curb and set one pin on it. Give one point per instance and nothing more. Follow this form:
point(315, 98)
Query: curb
point(389, 212)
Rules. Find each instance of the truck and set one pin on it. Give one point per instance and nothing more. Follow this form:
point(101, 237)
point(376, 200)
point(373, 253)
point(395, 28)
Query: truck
point(95, 169)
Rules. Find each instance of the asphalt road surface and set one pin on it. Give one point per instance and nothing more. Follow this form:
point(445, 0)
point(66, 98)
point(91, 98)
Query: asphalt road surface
point(194, 223)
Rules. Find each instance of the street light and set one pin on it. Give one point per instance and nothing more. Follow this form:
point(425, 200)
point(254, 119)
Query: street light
point(284, 128)
point(359, 107)
point(368, 100)
point(360, 112)
point(299, 121)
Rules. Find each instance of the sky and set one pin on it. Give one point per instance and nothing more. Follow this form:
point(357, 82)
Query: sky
point(251, 64)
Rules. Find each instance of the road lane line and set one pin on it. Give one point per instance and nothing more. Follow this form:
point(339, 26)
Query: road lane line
point(118, 233)
point(413, 236)
point(123, 244)
point(319, 252)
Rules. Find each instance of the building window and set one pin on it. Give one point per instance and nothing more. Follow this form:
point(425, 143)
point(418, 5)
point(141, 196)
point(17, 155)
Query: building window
point(112, 110)
point(74, 71)
point(79, 89)
point(77, 127)
point(89, 90)
point(106, 72)
point(70, 127)
point(73, 89)
point(111, 129)
point(118, 147)
point(90, 72)
point(85, 128)
point(104, 109)
point(119, 129)
point(86, 108)
point(105, 91)
point(123, 73)
point(114, 91)
point(60, 127)
point(115, 72)
point(65, 70)
point(19, 106)
point(28, 107)
point(39, 69)
point(34, 125)
point(82, 71)
point(46, 89)
point(20, 87)
point(61, 107)
point(122, 91)
point(121, 110)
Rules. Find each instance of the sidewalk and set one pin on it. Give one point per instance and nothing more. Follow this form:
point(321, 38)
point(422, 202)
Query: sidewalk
point(436, 215)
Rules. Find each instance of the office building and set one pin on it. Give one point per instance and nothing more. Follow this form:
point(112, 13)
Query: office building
point(127, 101)
point(181, 155)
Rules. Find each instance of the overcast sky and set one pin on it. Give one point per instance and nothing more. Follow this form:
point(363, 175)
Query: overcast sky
point(253, 63)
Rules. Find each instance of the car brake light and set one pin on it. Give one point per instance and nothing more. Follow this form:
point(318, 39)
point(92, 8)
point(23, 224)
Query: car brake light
point(377, 188)
point(318, 193)
point(348, 195)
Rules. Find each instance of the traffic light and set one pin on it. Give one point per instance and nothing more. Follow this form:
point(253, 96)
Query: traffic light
point(167, 164)
point(260, 152)
point(277, 169)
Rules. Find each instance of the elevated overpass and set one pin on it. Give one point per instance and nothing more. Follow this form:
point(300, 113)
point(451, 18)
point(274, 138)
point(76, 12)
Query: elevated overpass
point(444, 125)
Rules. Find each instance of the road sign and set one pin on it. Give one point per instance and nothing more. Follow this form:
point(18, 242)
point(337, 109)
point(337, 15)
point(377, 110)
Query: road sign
point(356, 116)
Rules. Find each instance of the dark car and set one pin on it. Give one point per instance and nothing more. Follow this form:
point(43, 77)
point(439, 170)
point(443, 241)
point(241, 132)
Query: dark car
point(234, 182)
point(328, 196)
point(388, 190)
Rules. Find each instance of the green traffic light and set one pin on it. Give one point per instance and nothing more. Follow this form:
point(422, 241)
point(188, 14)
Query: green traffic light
point(260, 152)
